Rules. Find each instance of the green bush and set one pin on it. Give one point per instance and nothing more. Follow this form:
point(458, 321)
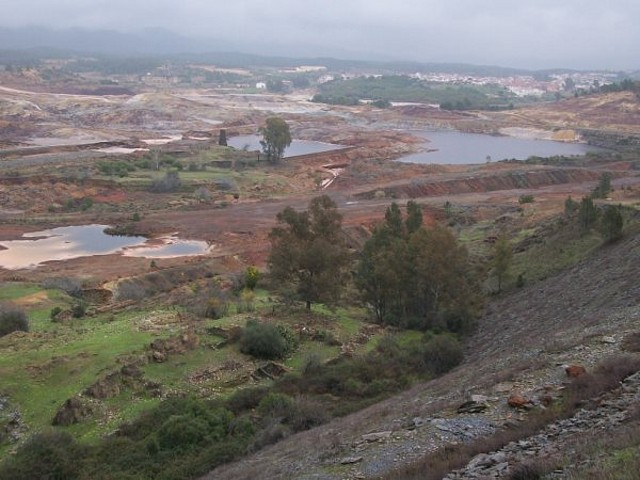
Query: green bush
point(276, 405)
point(263, 340)
point(246, 399)
point(251, 277)
point(54, 312)
point(47, 455)
point(181, 432)
point(12, 319)
point(525, 199)
point(442, 353)
point(169, 183)
point(78, 310)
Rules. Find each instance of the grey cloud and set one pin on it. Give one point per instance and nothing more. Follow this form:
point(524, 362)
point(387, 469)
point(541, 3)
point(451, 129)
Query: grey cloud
point(533, 33)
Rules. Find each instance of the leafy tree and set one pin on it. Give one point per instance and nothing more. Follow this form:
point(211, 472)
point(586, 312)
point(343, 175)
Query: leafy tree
point(588, 214)
point(440, 280)
point(604, 186)
point(416, 277)
point(276, 137)
point(502, 258)
point(222, 137)
point(276, 86)
point(612, 223)
point(393, 219)
point(570, 206)
point(569, 84)
point(414, 217)
point(381, 273)
point(308, 252)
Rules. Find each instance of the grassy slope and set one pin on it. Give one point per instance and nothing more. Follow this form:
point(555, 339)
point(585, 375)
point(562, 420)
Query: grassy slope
point(53, 362)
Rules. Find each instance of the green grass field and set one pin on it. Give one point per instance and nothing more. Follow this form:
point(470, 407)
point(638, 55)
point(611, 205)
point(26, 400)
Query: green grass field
point(53, 362)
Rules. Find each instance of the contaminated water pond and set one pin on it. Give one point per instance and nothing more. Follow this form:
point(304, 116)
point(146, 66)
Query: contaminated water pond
point(451, 147)
point(64, 243)
point(297, 147)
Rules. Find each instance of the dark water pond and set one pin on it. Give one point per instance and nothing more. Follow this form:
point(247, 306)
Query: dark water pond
point(65, 243)
point(465, 148)
point(297, 147)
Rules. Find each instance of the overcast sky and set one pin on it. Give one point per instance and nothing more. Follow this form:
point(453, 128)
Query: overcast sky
point(520, 33)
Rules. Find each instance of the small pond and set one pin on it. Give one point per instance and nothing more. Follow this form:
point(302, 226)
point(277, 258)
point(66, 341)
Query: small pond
point(64, 243)
point(450, 147)
point(297, 147)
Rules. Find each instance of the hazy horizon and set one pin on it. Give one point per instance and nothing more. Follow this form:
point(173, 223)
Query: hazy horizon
point(528, 34)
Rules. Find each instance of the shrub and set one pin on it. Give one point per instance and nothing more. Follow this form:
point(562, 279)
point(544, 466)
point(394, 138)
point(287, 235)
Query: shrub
point(54, 312)
point(612, 223)
point(78, 310)
point(306, 414)
point(266, 341)
point(167, 184)
point(12, 319)
point(246, 399)
point(130, 290)
point(527, 471)
point(525, 199)
point(570, 206)
point(251, 277)
point(276, 405)
point(71, 286)
point(209, 302)
point(51, 455)
point(272, 433)
point(202, 194)
point(181, 432)
point(442, 353)
point(631, 342)
point(246, 302)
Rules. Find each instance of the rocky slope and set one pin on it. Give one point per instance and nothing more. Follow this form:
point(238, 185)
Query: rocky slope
point(577, 317)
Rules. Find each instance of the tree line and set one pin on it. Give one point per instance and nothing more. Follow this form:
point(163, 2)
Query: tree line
point(407, 274)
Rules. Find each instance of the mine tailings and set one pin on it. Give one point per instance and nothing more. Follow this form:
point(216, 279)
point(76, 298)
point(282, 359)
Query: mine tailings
point(487, 183)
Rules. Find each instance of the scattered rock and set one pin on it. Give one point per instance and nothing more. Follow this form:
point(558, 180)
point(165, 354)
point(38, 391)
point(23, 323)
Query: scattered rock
point(517, 400)
point(131, 370)
point(574, 371)
point(480, 460)
point(270, 370)
point(473, 407)
point(72, 411)
point(350, 460)
point(106, 387)
point(418, 422)
point(376, 436)
point(610, 340)
point(173, 345)
point(479, 398)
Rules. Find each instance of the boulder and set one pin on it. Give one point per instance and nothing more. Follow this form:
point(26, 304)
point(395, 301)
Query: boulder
point(269, 370)
point(517, 400)
point(473, 407)
point(574, 371)
point(107, 387)
point(72, 411)
point(376, 436)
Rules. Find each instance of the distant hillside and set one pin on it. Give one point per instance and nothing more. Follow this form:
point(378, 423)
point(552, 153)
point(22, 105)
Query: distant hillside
point(147, 42)
point(41, 42)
